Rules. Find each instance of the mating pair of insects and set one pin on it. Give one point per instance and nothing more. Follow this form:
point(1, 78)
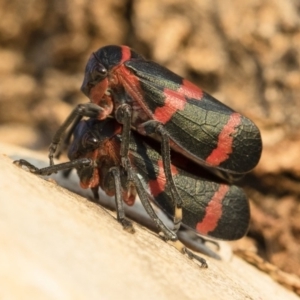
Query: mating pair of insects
point(154, 134)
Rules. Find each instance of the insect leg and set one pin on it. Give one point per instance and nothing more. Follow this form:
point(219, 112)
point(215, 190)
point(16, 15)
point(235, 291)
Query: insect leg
point(168, 235)
point(68, 136)
point(82, 110)
point(180, 247)
point(165, 151)
point(149, 128)
point(123, 116)
point(144, 197)
point(81, 162)
point(127, 225)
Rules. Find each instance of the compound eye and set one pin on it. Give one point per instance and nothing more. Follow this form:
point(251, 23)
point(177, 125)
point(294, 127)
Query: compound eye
point(91, 142)
point(102, 70)
point(99, 73)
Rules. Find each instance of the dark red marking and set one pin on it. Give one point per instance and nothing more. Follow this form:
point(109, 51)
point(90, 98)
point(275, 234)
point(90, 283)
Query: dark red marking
point(94, 180)
point(173, 103)
point(98, 91)
point(129, 196)
point(130, 81)
point(132, 87)
point(190, 90)
point(213, 211)
point(98, 97)
point(225, 139)
point(158, 185)
point(91, 182)
point(126, 54)
point(176, 100)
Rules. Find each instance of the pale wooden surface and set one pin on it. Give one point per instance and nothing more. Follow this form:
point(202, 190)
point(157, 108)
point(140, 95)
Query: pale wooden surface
point(58, 245)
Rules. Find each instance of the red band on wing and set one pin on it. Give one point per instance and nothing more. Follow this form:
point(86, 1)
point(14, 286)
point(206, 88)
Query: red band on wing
point(126, 54)
point(158, 185)
point(176, 100)
point(213, 211)
point(225, 140)
point(173, 102)
point(190, 90)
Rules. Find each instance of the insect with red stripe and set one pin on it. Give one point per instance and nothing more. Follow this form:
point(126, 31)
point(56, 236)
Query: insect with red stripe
point(150, 99)
point(211, 208)
point(168, 108)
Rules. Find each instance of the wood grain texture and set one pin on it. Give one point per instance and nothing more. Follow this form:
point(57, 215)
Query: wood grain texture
point(58, 245)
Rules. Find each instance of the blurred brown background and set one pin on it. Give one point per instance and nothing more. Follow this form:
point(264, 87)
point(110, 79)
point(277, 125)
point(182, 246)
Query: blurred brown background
point(247, 54)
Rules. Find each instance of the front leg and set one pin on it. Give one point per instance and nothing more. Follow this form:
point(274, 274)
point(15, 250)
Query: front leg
point(82, 110)
point(77, 163)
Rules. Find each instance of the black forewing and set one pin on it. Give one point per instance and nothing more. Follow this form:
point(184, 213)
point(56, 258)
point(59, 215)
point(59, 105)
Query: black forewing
point(197, 127)
point(195, 192)
point(233, 222)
